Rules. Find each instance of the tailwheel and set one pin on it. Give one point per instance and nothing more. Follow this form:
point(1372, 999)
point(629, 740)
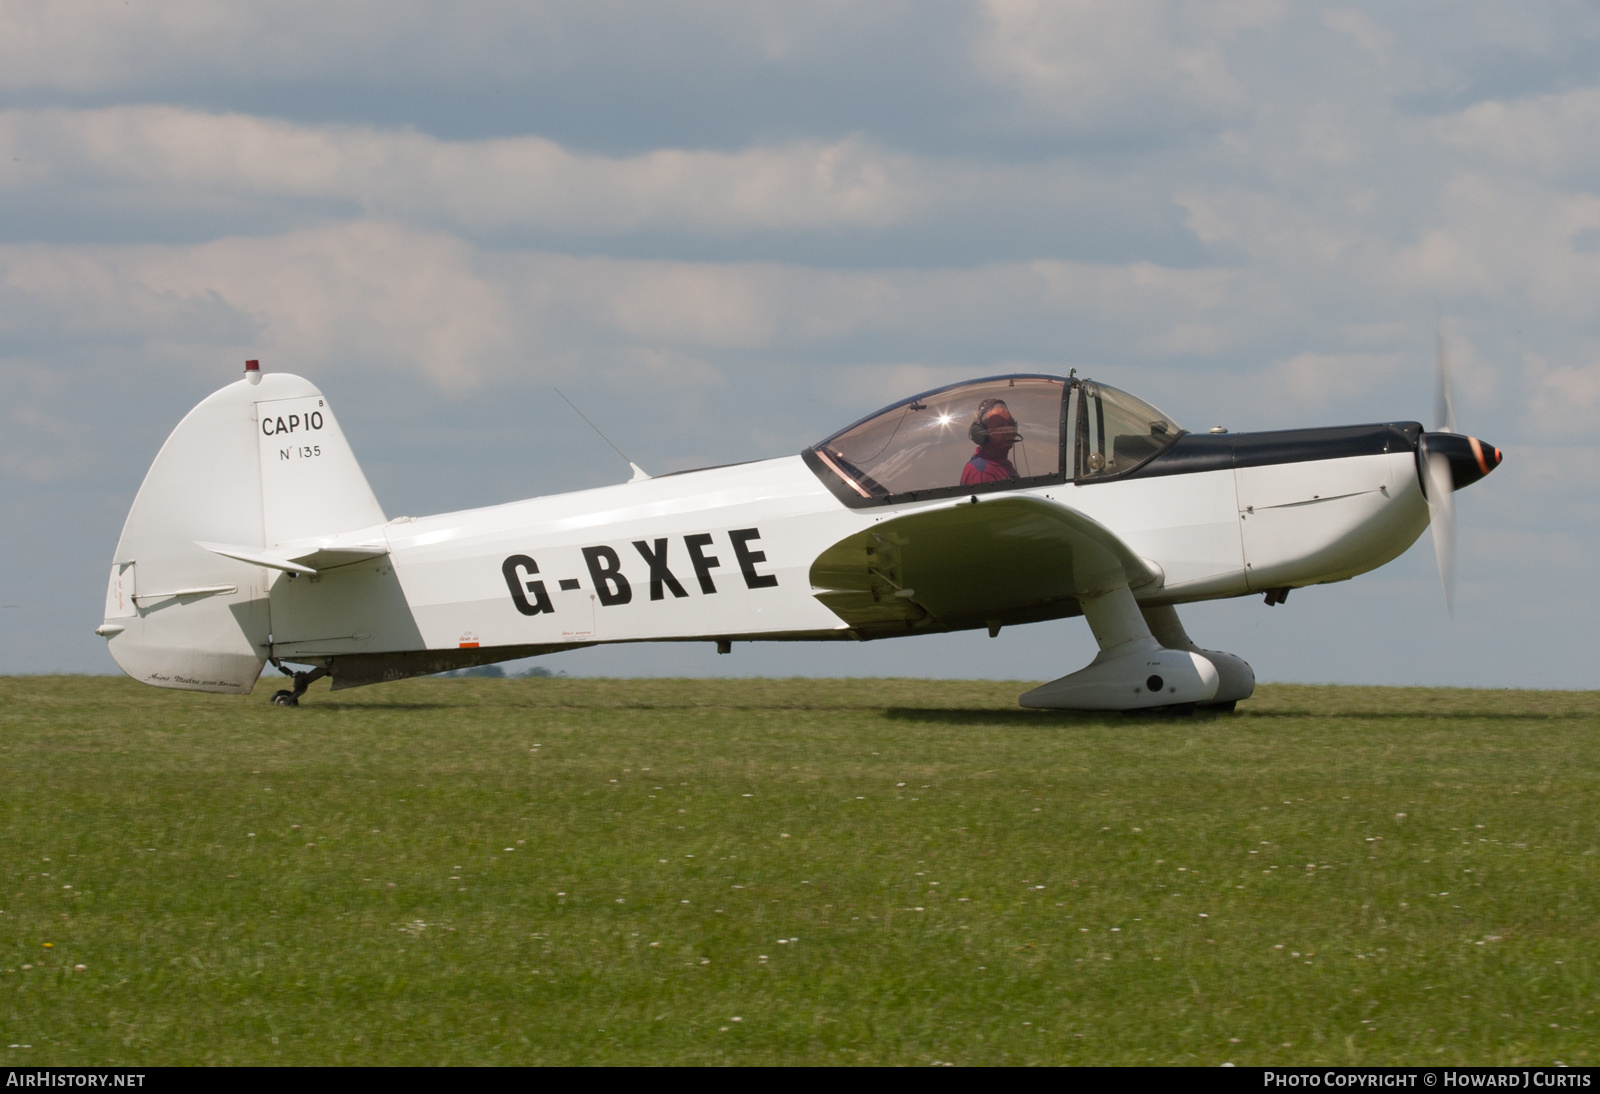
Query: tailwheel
point(302, 680)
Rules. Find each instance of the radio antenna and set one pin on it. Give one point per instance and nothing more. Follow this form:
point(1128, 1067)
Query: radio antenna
point(638, 472)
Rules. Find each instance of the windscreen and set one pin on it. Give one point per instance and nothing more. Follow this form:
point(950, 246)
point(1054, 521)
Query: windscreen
point(1119, 431)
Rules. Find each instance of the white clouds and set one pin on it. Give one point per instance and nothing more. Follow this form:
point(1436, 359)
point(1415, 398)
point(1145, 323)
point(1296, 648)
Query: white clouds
point(161, 171)
point(436, 313)
point(363, 293)
point(768, 306)
point(1098, 66)
point(1498, 238)
point(85, 45)
point(1570, 473)
point(525, 182)
point(50, 450)
point(1553, 135)
point(371, 293)
point(1315, 380)
point(1563, 401)
point(383, 243)
point(1367, 33)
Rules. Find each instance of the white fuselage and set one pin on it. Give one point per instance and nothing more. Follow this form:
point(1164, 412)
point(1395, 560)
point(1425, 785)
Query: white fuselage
point(1211, 534)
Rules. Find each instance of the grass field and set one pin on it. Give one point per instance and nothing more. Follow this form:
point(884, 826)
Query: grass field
point(794, 871)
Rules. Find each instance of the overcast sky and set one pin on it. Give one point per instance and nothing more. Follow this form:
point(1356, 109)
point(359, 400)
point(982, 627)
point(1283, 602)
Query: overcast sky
point(728, 229)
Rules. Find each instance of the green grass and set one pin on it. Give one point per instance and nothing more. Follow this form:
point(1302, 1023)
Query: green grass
point(600, 871)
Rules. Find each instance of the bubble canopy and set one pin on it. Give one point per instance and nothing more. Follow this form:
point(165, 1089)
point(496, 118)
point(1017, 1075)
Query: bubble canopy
point(1000, 433)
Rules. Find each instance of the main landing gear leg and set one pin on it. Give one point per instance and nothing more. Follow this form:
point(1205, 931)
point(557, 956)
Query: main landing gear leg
point(302, 681)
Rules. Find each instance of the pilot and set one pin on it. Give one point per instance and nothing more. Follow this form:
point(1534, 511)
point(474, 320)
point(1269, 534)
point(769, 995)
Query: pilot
point(994, 431)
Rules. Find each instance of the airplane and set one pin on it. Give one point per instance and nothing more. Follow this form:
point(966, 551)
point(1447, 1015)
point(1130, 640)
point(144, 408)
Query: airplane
point(256, 539)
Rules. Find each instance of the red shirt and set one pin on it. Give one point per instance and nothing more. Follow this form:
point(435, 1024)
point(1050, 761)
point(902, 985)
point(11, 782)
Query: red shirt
point(986, 465)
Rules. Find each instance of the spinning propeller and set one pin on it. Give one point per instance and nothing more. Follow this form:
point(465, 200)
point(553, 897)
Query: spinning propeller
point(1446, 462)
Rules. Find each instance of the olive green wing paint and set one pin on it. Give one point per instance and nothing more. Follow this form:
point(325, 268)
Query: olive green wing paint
point(994, 563)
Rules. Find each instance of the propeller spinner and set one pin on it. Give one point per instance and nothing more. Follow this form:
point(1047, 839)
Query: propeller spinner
point(1446, 462)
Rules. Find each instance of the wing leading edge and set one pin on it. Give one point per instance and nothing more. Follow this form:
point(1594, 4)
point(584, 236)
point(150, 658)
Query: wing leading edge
point(987, 563)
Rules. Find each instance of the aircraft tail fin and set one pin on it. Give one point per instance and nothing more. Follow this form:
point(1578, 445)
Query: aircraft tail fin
point(259, 463)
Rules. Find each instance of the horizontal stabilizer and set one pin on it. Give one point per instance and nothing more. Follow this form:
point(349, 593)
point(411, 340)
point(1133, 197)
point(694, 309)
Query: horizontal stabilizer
point(326, 558)
point(301, 558)
point(256, 556)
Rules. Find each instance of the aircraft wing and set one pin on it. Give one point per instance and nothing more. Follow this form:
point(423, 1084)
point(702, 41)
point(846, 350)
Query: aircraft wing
point(999, 561)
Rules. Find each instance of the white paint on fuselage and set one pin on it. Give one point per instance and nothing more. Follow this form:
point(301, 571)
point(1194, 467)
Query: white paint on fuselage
point(1187, 524)
point(450, 565)
point(1328, 520)
point(1213, 534)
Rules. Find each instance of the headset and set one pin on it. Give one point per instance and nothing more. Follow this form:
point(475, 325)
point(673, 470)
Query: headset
point(979, 429)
